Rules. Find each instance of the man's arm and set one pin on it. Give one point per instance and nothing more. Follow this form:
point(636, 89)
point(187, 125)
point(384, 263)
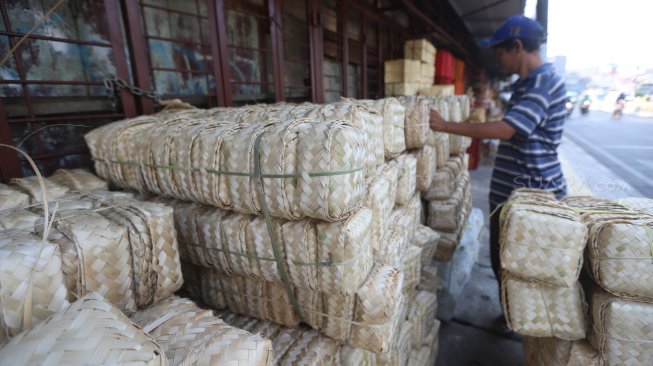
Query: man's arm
point(491, 130)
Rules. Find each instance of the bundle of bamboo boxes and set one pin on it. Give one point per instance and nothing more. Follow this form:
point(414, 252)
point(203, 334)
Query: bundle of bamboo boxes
point(303, 226)
point(599, 315)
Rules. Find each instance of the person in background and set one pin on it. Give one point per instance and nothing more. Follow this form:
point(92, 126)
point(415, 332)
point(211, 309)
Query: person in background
point(531, 129)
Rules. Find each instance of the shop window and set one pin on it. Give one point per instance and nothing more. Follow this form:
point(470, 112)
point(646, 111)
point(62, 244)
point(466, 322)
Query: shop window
point(296, 51)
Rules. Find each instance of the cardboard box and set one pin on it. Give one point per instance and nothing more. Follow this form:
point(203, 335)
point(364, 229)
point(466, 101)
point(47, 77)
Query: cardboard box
point(402, 70)
point(427, 72)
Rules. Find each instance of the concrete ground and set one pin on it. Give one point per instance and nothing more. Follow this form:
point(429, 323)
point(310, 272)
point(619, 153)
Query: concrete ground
point(468, 340)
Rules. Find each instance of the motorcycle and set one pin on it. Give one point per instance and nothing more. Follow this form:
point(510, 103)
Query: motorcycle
point(619, 109)
point(585, 107)
point(569, 106)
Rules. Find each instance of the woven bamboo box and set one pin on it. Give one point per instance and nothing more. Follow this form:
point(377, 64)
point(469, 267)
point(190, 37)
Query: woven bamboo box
point(400, 351)
point(397, 237)
point(31, 186)
point(90, 331)
point(444, 180)
point(318, 172)
point(190, 335)
point(420, 49)
point(402, 71)
point(78, 180)
point(558, 352)
point(24, 257)
point(403, 88)
point(394, 141)
point(444, 215)
point(440, 141)
point(619, 251)
point(331, 257)
point(407, 178)
point(429, 280)
point(621, 329)
point(367, 319)
point(417, 121)
point(540, 310)
point(412, 267)
point(422, 316)
point(426, 167)
point(19, 219)
point(11, 198)
point(446, 246)
point(427, 239)
point(380, 198)
point(438, 90)
point(542, 241)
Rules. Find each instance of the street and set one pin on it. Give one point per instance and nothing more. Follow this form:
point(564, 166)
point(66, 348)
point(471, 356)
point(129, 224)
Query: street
point(623, 146)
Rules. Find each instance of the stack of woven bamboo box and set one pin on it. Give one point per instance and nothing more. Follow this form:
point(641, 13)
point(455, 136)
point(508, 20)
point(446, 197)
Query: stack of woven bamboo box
point(416, 71)
point(290, 213)
point(449, 194)
point(542, 246)
point(104, 255)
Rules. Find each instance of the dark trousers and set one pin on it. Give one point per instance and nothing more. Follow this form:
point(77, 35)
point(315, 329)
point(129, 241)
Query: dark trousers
point(494, 242)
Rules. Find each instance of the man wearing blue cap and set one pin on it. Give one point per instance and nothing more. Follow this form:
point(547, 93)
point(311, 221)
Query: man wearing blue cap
point(531, 129)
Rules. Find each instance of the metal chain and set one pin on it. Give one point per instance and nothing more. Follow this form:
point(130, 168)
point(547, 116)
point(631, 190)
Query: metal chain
point(115, 84)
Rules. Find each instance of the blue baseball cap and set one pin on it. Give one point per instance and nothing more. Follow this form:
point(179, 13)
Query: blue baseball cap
point(516, 27)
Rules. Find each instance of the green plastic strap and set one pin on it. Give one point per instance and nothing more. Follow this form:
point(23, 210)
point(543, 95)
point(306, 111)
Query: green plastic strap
point(325, 263)
point(281, 263)
point(239, 174)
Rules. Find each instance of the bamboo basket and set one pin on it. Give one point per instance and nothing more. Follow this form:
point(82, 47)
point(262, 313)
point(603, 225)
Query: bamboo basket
point(542, 241)
point(425, 167)
point(90, 331)
point(12, 198)
point(427, 239)
point(380, 198)
point(444, 180)
point(31, 186)
point(558, 352)
point(422, 316)
point(190, 335)
point(444, 215)
point(407, 178)
point(19, 219)
point(621, 329)
point(539, 310)
point(429, 280)
point(400, 351)
point(78, 180)
point(24, 258)
point(331, 257)
point(96, 257)
point(417, 121)
point(394, 140)
point(318, 173)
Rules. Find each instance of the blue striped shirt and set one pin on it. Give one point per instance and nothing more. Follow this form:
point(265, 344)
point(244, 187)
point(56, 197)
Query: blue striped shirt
point(530, 159)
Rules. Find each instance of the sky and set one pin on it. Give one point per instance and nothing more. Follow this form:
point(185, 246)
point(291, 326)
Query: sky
point(595, 33)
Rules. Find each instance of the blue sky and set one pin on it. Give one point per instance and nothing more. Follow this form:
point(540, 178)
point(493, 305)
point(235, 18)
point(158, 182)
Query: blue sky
point(595, 33)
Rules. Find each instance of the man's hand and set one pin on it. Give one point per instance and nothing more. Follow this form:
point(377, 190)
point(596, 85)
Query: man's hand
point(436, 121)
